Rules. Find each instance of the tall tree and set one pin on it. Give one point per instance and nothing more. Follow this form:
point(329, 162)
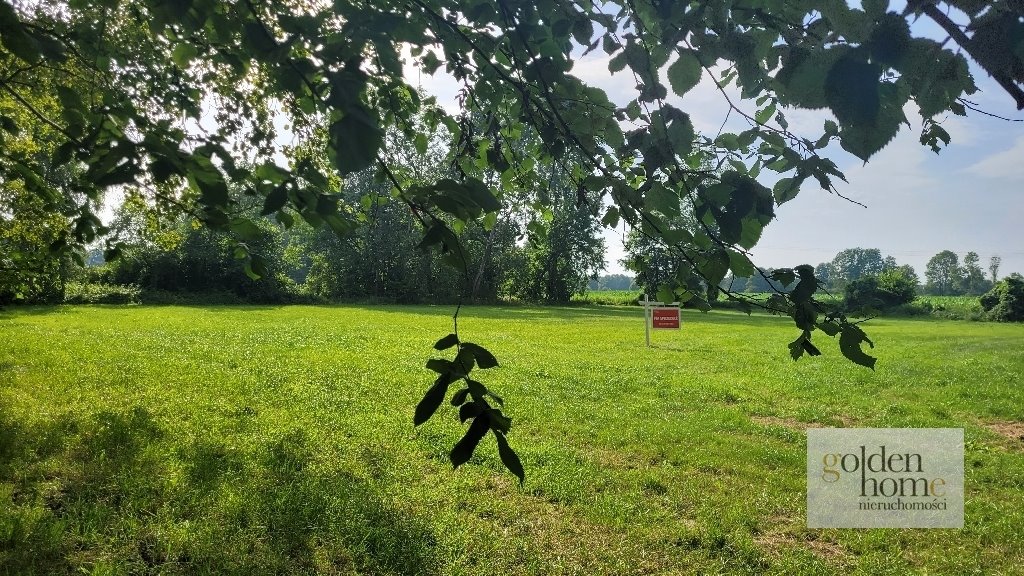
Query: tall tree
point(943, 273)
point(973, 277)
point(564, 249)
point(854, 263)
point(907, 271)
point(993, 268)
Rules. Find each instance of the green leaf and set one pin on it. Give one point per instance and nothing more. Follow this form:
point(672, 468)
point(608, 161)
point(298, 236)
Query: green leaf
point(851, 89)
point(446, 342)
point(441, 366)
point(246, 229)
point(798, 347)
point(784, 276)
point(470, 410)
point(183, 54)
point(14, 36)
point(685, 72)
point(611, 217)
point(509, 457)
point(728, 141)
point(864, 140)
point(460, 397)
point(256, 268)
point(431, 400)
point(765, 114)
point(662, 199)
point(875, 8)
point(481, 195)
point(617, 62)
point(271, 172)
point(850, 340)
point(465, 360)
point(464, 448)
point(740, 265)
point(785, 190)
point(680, 134)
point(484, 359)
point(665, 294)
point(355, 140)
point(275, 200)
point(9, 125)
point(829, 327)
point(420, 142)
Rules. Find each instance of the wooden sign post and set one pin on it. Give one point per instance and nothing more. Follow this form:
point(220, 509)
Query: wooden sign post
point(659, 316)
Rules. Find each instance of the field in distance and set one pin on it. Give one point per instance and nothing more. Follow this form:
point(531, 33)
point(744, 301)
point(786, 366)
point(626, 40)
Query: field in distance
point(267, 440)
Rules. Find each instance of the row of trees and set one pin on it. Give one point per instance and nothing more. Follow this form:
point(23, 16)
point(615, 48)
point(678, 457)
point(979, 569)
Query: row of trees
point(944, 275)
point(525, 251)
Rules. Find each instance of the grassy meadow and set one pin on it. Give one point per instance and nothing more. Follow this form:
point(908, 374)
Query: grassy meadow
point(268, 440)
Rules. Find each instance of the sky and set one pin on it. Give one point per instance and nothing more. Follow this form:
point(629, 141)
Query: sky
point(969, 197)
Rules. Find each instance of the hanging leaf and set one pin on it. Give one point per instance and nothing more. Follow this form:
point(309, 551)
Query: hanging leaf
point(431, 400)
point(684, 74)
point(463, 449)
point(446, 342)
point(355, 140)
point(850, 340)
point(509, 457)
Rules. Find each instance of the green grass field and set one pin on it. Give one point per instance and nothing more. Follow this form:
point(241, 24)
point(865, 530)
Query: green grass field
point(268, 440)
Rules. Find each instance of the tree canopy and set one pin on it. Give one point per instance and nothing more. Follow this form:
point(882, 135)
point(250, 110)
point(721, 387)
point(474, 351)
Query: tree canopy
point(186, 100)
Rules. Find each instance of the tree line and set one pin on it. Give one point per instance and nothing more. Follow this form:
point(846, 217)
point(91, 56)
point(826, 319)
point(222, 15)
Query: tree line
point(945, 273)
point(527, 251)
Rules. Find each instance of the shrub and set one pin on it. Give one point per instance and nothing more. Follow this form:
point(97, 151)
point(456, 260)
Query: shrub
point(1005, 301)
point(95, 293)
point(887, 290)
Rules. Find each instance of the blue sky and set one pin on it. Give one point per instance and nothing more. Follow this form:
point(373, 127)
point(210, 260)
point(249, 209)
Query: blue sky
point(970, 197)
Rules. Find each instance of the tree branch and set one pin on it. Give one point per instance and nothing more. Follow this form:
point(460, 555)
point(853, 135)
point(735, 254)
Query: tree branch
point(967, 44)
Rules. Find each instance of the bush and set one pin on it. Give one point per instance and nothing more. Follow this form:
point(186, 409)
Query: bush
point(889, 289)
point(95, 293)
point(1005, 301)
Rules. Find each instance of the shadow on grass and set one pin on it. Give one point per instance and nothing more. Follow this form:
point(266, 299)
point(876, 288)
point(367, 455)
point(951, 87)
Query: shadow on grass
point(118, 491)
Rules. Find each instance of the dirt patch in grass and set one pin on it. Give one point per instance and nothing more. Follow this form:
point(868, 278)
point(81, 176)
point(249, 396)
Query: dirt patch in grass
point(775, 543)
point(794, 424)
point(1010, 430)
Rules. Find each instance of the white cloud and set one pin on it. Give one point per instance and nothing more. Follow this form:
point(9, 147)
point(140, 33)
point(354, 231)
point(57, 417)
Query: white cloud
point(1008, 164)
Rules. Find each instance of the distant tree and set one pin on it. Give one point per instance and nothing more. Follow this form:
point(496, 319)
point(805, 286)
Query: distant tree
point(824, 273)
point(993, 268)
point(943, 273)
point(889, 263)
point(613, 282)
point(762, 283)
point(908, 272)
point(564, 249)
point(853, 263)
point(654, 263)
point(972, 276)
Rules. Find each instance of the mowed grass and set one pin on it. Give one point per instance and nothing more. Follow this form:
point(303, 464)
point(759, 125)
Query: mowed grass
point(248, 440)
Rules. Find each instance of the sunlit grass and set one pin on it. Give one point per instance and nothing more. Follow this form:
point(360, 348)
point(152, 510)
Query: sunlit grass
point(246, 440)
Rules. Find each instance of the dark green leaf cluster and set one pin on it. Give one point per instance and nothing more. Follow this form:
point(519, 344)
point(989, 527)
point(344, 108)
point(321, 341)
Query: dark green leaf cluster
point(473, 400)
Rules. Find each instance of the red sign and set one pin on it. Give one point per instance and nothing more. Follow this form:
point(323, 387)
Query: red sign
point(665, 318)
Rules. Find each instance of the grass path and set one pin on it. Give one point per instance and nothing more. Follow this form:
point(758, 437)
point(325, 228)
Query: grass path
point(243, 440)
